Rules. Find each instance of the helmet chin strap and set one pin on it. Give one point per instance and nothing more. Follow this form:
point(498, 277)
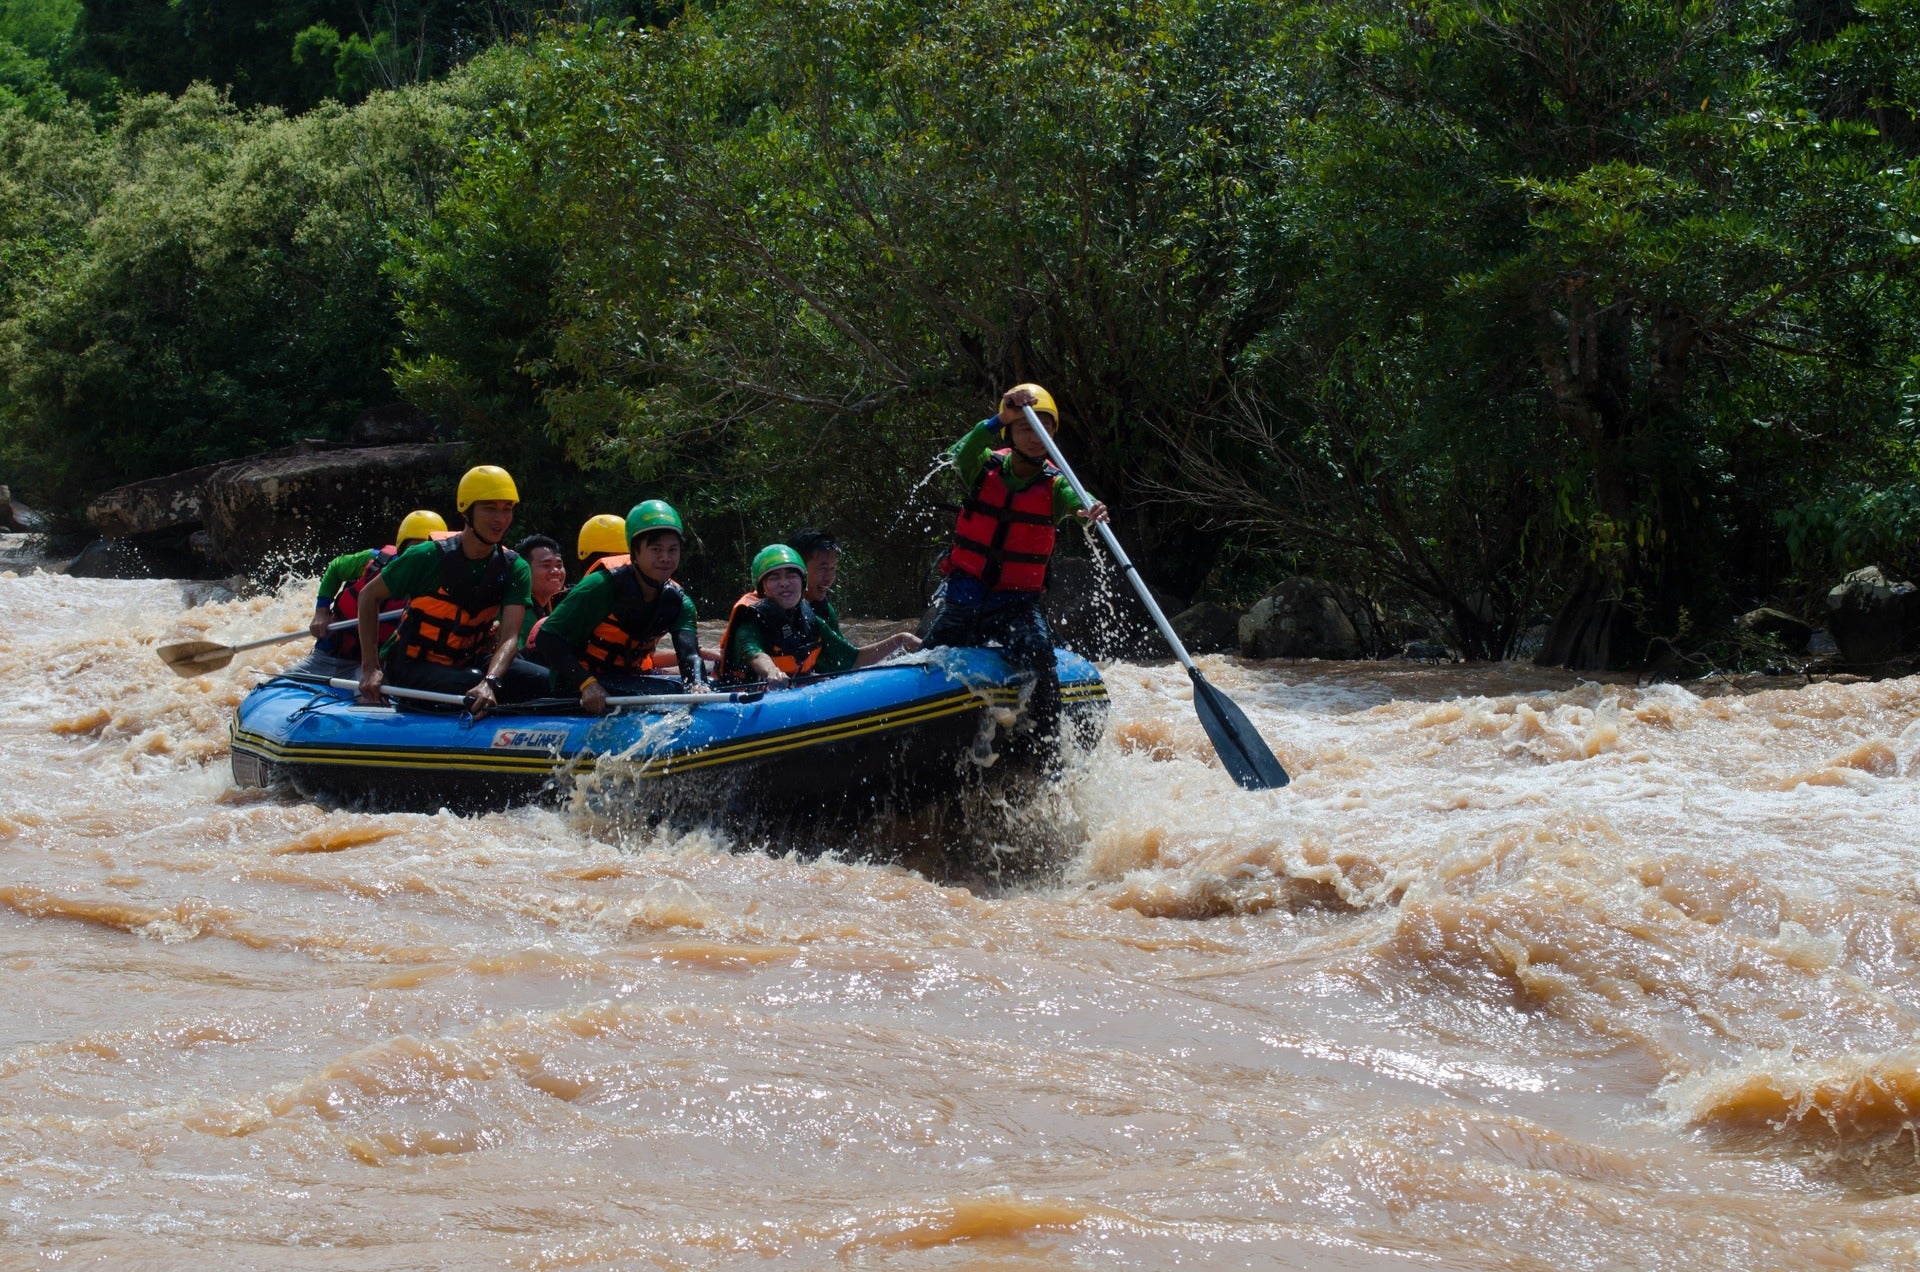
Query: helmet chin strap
point(492, 543)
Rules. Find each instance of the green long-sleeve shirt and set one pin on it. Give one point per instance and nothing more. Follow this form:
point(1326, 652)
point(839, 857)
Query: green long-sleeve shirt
point(416, 572)
point(341, 571)
point(969, 456)
point(836, 653)
point(591, 600)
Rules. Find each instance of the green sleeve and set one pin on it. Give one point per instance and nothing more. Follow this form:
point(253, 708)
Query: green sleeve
point(969, 454)
point(417, 572)
point(836, 653)
point(1065, 501)
point(341, 571)
point(520, 585)
point(414, 572)
point(745, 644)
point(688, 620)
point(581, 610)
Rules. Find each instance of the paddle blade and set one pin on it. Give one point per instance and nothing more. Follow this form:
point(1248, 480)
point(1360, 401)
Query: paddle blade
point(1243, 752)
point(195, 657)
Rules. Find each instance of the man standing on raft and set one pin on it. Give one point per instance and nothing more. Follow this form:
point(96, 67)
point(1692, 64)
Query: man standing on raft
point(459, 586)
point(1003, 540)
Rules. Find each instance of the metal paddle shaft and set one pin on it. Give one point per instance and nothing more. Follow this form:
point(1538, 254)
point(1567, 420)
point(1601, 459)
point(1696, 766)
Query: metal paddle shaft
point(685, 699)
point(396, 691)
point(196, 657)
point(647, 700)
point(1243, 752)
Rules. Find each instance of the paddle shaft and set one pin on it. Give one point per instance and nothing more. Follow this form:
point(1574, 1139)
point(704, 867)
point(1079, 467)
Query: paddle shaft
point(683, 699)
point(228, 651)
point(1243, 753)
point(395, 691)
point(1113, 543)
point(649, 700)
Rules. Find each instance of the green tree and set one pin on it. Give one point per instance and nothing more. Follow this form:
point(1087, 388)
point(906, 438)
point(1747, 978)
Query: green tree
point(1676, 291)
point(209, 281)
point(794, 248)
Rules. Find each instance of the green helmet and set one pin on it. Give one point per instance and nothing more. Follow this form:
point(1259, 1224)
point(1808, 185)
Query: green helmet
point(654, 514)
point(776, 556)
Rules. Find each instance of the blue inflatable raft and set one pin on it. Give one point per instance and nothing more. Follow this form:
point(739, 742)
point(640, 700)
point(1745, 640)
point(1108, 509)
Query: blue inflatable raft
point(880, 737)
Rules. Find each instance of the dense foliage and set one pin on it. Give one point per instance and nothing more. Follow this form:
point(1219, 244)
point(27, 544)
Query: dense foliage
point(1483, 309)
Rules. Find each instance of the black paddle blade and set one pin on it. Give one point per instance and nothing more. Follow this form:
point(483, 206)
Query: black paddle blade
point(1243, 752)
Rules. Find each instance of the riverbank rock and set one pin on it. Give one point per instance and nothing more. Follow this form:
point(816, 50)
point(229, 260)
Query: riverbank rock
point(1206, 628)
point(147, 557)
point(1792, 634)
point(291, 511)
point(23, 553)
point(155, 506)
point(1308, 618)
point(17, 517)
point(1874, 622)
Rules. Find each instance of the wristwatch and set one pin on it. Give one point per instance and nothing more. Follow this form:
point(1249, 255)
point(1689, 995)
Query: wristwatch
point(491, 682)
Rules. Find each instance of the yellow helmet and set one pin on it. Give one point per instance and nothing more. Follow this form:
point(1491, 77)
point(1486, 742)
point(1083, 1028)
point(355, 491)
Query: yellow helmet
point(604, 533)
point(1042, 400)
point(419, 524)
point(482, 483)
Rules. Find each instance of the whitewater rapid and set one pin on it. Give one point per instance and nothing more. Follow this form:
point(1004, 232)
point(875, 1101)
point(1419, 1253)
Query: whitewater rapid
point(1521, 971)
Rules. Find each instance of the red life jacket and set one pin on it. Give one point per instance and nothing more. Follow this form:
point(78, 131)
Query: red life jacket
point(449, 625)
point(623, 641)
point(1004, 537)
point(793, 647)
point(346, 605)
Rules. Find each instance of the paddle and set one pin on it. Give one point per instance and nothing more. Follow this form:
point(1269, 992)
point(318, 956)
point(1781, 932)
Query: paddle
point(685, 699)
point(196, 657)
point(418, 695)
point(646, 700)
point(1243, 753)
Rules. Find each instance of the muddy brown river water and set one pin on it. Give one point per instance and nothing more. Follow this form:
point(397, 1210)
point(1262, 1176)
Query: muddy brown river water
point(1521, 972)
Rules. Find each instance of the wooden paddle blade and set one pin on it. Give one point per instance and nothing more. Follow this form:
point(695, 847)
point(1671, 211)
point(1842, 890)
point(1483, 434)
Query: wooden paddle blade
point(1243, 752)
point(195, 657)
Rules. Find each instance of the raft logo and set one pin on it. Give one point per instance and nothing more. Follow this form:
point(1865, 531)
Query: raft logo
point(529, 739)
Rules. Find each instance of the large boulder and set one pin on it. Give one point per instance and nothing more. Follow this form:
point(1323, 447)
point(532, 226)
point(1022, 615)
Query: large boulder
point(1873, 622)
point(292, 511)
point(1207, 628)
point(150, 557)
point(1308, 618)
point(154, 506)
point(22, 552)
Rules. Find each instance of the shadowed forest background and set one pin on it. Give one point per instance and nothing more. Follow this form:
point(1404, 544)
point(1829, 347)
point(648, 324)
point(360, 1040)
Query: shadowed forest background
point(1485, 311)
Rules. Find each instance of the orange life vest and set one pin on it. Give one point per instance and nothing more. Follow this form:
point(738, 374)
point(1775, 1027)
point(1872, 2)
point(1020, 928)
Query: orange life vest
point(609, 563)
point(790, 637)
point(346, 605)
point(449, 625)
point(1004, 537)
point(623, 641)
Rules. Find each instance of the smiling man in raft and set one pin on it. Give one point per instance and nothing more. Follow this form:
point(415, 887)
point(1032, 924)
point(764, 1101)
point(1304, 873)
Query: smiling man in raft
point(458, 586)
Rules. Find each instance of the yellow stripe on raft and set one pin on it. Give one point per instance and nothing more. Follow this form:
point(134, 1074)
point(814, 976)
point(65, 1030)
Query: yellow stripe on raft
point(707, 757)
